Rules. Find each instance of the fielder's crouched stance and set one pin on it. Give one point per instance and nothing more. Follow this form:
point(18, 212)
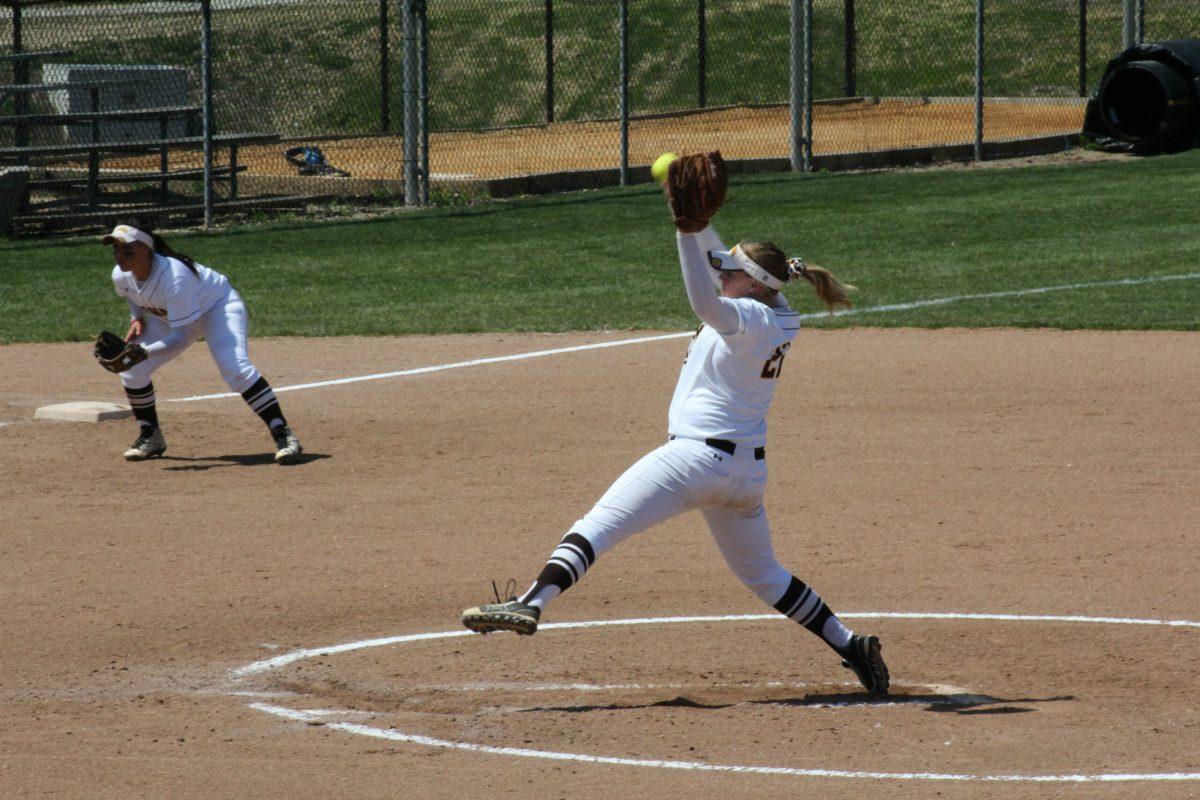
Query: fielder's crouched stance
point(172, 301)
point(715, 456)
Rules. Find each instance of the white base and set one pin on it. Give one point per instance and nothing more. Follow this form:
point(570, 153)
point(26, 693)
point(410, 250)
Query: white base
point(83, 412)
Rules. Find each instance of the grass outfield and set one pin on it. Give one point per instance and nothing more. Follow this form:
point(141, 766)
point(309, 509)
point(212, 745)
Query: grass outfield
point(606, 259)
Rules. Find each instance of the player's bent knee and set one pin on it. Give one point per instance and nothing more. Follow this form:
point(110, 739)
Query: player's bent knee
point(767, 579)
point(240, 379)
point(138, 376)
point(601, 537)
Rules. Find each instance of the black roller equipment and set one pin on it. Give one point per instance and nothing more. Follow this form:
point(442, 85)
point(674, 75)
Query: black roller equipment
point(1149, 99)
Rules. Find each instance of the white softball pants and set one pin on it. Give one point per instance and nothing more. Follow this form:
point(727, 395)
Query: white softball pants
point(224, 327)
point(683, 475)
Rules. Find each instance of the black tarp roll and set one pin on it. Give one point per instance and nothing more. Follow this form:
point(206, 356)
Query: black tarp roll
point(1148, 100)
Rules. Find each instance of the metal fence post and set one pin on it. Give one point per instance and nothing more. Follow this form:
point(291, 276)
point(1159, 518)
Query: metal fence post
point(1129, 28)
point(850, 84)
point(412, 133)
point(164, 133)
point(1141, 21)
point(796, 91)
point(549, 60)
point(17, 47)
point(623, 25)
point(979, 41)
point(1083, 45)
point(206, 87)
point(701, 53)
point(20, 75)
point(423, 57)
point(808, 85)
point(384, 90)
point(93, 184)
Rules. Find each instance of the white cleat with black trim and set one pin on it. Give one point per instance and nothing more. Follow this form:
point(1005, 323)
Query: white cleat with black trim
point(511, 616)
point(287, 446)
point(503, 615)
point(149, 444)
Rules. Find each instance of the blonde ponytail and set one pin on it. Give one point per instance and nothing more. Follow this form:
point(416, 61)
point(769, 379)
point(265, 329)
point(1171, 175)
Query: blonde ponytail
point(830, 291)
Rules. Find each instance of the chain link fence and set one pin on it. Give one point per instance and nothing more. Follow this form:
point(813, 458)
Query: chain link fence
point(106, 103)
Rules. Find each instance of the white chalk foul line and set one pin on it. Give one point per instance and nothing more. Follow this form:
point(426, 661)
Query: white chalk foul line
point(937, 301)
point(323, 716)
point(442, 367)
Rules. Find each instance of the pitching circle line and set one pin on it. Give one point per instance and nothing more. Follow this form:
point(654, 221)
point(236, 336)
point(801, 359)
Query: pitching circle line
point(391, 734)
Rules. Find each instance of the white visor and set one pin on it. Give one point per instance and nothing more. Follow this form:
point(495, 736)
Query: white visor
point(128, 235)
point(735, 259)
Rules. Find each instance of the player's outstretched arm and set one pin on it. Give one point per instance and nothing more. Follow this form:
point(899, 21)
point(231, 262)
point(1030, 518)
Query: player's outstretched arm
point(695, 189)
point(709, 240)
point(717, 312)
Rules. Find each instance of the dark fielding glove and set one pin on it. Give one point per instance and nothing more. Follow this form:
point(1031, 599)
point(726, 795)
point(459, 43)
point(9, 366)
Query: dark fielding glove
point(695, 189)
point(115, 354)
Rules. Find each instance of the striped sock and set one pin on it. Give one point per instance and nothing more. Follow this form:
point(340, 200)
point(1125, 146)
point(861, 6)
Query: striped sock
point(805, 606)
point(566, 565)
point(261, 399)
point(142, 403)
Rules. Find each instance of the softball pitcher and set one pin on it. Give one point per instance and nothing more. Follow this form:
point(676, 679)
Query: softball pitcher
point(714, 459)
point(173, 301)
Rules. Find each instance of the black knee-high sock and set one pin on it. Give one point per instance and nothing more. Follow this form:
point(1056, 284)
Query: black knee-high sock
point(142, 403)
point(261, 399)
point(566, 565)
point(805, 606)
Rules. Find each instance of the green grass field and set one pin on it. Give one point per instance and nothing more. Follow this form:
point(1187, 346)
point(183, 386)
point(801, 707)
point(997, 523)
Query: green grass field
point(606, 259)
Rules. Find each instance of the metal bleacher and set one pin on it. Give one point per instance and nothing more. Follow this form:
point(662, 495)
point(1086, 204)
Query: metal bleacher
point(68, 181)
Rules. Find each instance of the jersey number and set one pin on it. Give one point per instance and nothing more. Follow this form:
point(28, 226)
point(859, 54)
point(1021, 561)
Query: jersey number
point(774, 364)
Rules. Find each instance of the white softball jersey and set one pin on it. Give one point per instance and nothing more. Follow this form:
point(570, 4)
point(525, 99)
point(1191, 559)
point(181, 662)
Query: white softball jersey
point(173, 293)
point(178, 306)
point(728, 380)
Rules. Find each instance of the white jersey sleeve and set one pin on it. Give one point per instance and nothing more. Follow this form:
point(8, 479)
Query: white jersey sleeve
point(135, 311)
point(118, 279)
point(708, 239)
point(717, 312)
point(755, 322)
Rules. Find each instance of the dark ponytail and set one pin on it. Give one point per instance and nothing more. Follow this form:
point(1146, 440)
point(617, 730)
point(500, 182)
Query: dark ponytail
point(160, 245)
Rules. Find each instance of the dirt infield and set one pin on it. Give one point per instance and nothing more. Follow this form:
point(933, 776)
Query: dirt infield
point(995, 471)
point(738, 133)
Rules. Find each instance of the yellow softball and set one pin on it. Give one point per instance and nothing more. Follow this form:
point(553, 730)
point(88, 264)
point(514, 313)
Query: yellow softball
point(661, 165)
